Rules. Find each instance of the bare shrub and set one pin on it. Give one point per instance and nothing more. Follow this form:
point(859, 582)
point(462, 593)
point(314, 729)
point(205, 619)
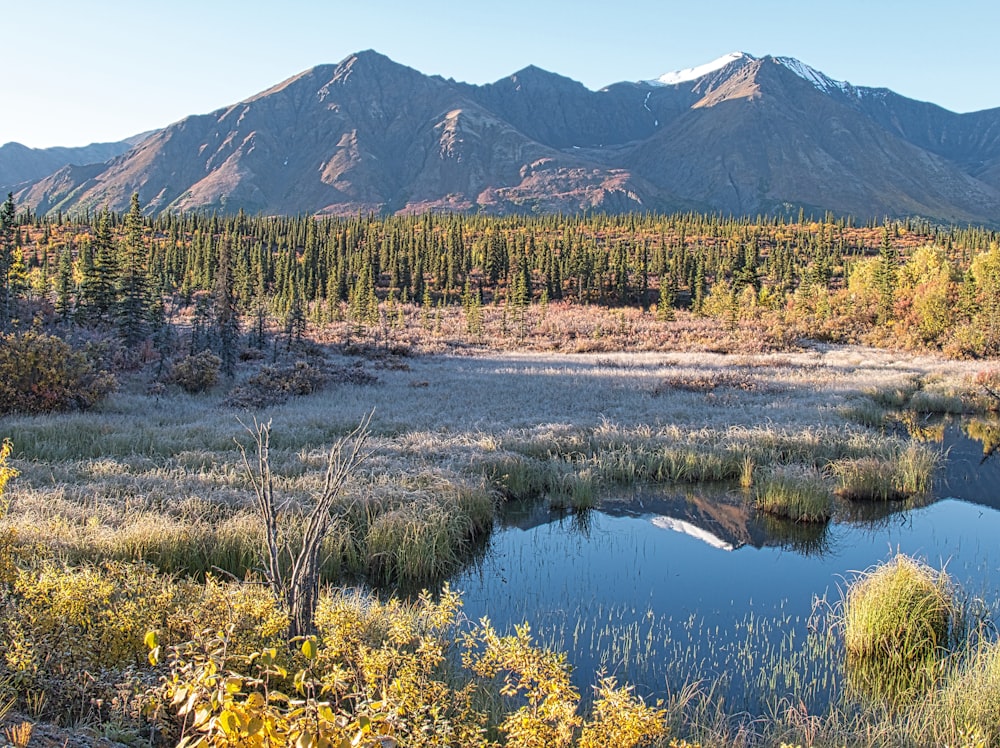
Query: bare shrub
point(42, 373)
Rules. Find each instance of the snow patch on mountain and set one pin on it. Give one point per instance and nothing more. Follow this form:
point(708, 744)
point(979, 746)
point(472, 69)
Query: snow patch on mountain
point(819, 80)
point(690, 74)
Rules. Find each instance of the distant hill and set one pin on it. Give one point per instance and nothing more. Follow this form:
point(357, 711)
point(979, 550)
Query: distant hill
point(20, 164)
point(740, 135)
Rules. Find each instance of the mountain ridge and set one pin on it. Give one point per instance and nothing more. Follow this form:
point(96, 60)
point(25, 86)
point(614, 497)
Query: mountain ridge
point(744, 135)
point(20, 164)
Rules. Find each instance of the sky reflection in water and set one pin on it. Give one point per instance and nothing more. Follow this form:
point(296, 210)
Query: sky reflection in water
point(671, 587)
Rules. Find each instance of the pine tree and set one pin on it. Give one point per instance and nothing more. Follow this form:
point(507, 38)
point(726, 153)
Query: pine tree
point(133, 282)
point(295, 321)
point(225, 308)
point(64, 285)
point(886, 275)
point(99, 271)
point(8, 246)
point(665, 305)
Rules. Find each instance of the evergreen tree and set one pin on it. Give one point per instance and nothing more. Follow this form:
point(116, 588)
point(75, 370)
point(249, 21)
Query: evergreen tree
point(64, 285)
point(99, 275)
point(133, 281)
point(886, 275)
point(8, 246)
point(665, 305)
point(225, 308)
point(295, 321)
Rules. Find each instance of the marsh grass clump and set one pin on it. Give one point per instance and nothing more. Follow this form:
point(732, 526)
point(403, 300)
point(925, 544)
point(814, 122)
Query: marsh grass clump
point(914, 469)
point(900, 619)
point(573, 487)
point(865, 479)
point(801, 495)
point(518, 477)
point(865, 412)
point(896, 395)
point(902, 474)
point(424, 538)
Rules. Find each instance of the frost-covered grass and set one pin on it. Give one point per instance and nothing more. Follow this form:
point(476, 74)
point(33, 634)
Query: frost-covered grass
point(157, 476)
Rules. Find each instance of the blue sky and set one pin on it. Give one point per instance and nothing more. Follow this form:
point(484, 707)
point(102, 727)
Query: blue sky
point(80, 71)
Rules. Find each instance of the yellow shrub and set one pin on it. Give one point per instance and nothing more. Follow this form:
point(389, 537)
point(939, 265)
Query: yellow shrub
point(379, 674)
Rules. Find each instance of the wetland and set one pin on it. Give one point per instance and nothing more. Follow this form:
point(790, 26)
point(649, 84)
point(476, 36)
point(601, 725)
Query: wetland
point(606, 500)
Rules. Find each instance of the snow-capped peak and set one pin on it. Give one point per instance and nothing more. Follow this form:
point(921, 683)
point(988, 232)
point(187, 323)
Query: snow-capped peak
point(818, 79)
point(690, 74)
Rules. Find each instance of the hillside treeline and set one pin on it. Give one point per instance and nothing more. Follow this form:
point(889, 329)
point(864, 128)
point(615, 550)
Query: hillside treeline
point(905, 283)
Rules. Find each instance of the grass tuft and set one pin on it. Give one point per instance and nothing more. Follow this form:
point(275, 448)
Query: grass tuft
point(904, 473)
point(801, 495)
point(899, 620)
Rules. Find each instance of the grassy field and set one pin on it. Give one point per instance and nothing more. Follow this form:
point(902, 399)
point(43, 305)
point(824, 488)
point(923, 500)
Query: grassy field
point(143, 472)
point(155, 475)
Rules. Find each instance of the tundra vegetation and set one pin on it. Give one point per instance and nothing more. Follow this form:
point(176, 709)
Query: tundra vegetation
point(161, 566)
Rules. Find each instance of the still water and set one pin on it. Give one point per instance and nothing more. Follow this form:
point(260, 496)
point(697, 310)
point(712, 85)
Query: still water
point(669, 587)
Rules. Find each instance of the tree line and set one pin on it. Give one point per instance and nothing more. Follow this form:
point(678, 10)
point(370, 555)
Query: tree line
point(910, 281)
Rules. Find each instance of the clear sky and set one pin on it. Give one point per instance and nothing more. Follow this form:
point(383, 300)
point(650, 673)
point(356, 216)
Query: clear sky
point(82, 71)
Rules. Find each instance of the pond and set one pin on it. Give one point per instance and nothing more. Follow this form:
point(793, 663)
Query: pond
point(670, 587)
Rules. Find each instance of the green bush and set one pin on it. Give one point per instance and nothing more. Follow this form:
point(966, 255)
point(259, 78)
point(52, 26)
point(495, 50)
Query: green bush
point(196, 373)
point(42, 373)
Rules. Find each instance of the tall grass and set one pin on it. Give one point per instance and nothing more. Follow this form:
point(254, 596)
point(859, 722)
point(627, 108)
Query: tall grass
point(900, 620)
point(968, 704)
point(907, 471)
point(798, 495)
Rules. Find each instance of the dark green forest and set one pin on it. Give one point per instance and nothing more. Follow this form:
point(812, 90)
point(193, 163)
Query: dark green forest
point(233, 279)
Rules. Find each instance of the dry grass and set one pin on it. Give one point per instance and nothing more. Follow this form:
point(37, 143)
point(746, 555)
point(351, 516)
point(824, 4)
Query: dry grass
point(155, 477)
point(144, 475)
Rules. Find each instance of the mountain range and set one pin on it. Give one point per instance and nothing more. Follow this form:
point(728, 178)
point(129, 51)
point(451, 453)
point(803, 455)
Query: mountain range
point(741, 135)
point(20, 164)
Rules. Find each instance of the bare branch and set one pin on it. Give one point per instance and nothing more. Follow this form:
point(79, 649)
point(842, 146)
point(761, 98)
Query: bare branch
point(300, 588)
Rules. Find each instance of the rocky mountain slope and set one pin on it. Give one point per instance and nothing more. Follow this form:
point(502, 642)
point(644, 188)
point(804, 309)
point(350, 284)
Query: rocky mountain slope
point(741, 135)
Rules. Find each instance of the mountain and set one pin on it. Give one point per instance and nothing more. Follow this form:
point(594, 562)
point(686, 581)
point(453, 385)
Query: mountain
point(19, 164)
point(738, 135)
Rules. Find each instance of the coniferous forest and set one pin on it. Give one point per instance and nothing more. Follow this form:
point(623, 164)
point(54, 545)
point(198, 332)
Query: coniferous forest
point(231, 278)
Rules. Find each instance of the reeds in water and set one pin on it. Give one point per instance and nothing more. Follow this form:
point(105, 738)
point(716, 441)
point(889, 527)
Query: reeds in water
point(801, 495)
point(899, 621)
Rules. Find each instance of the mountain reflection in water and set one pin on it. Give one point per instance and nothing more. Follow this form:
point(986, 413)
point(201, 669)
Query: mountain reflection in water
point(668, 585)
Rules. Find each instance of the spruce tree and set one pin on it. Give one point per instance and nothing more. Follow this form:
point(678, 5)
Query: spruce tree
point(133, 282)
point(64, 285)
point(225, 308)
point(8, 218)
point(99, 271)
point(886, 275)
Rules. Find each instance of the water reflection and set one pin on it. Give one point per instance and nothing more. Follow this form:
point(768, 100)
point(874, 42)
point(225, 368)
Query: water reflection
point(665, 587)
point(971, 468)
point(986, 431)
